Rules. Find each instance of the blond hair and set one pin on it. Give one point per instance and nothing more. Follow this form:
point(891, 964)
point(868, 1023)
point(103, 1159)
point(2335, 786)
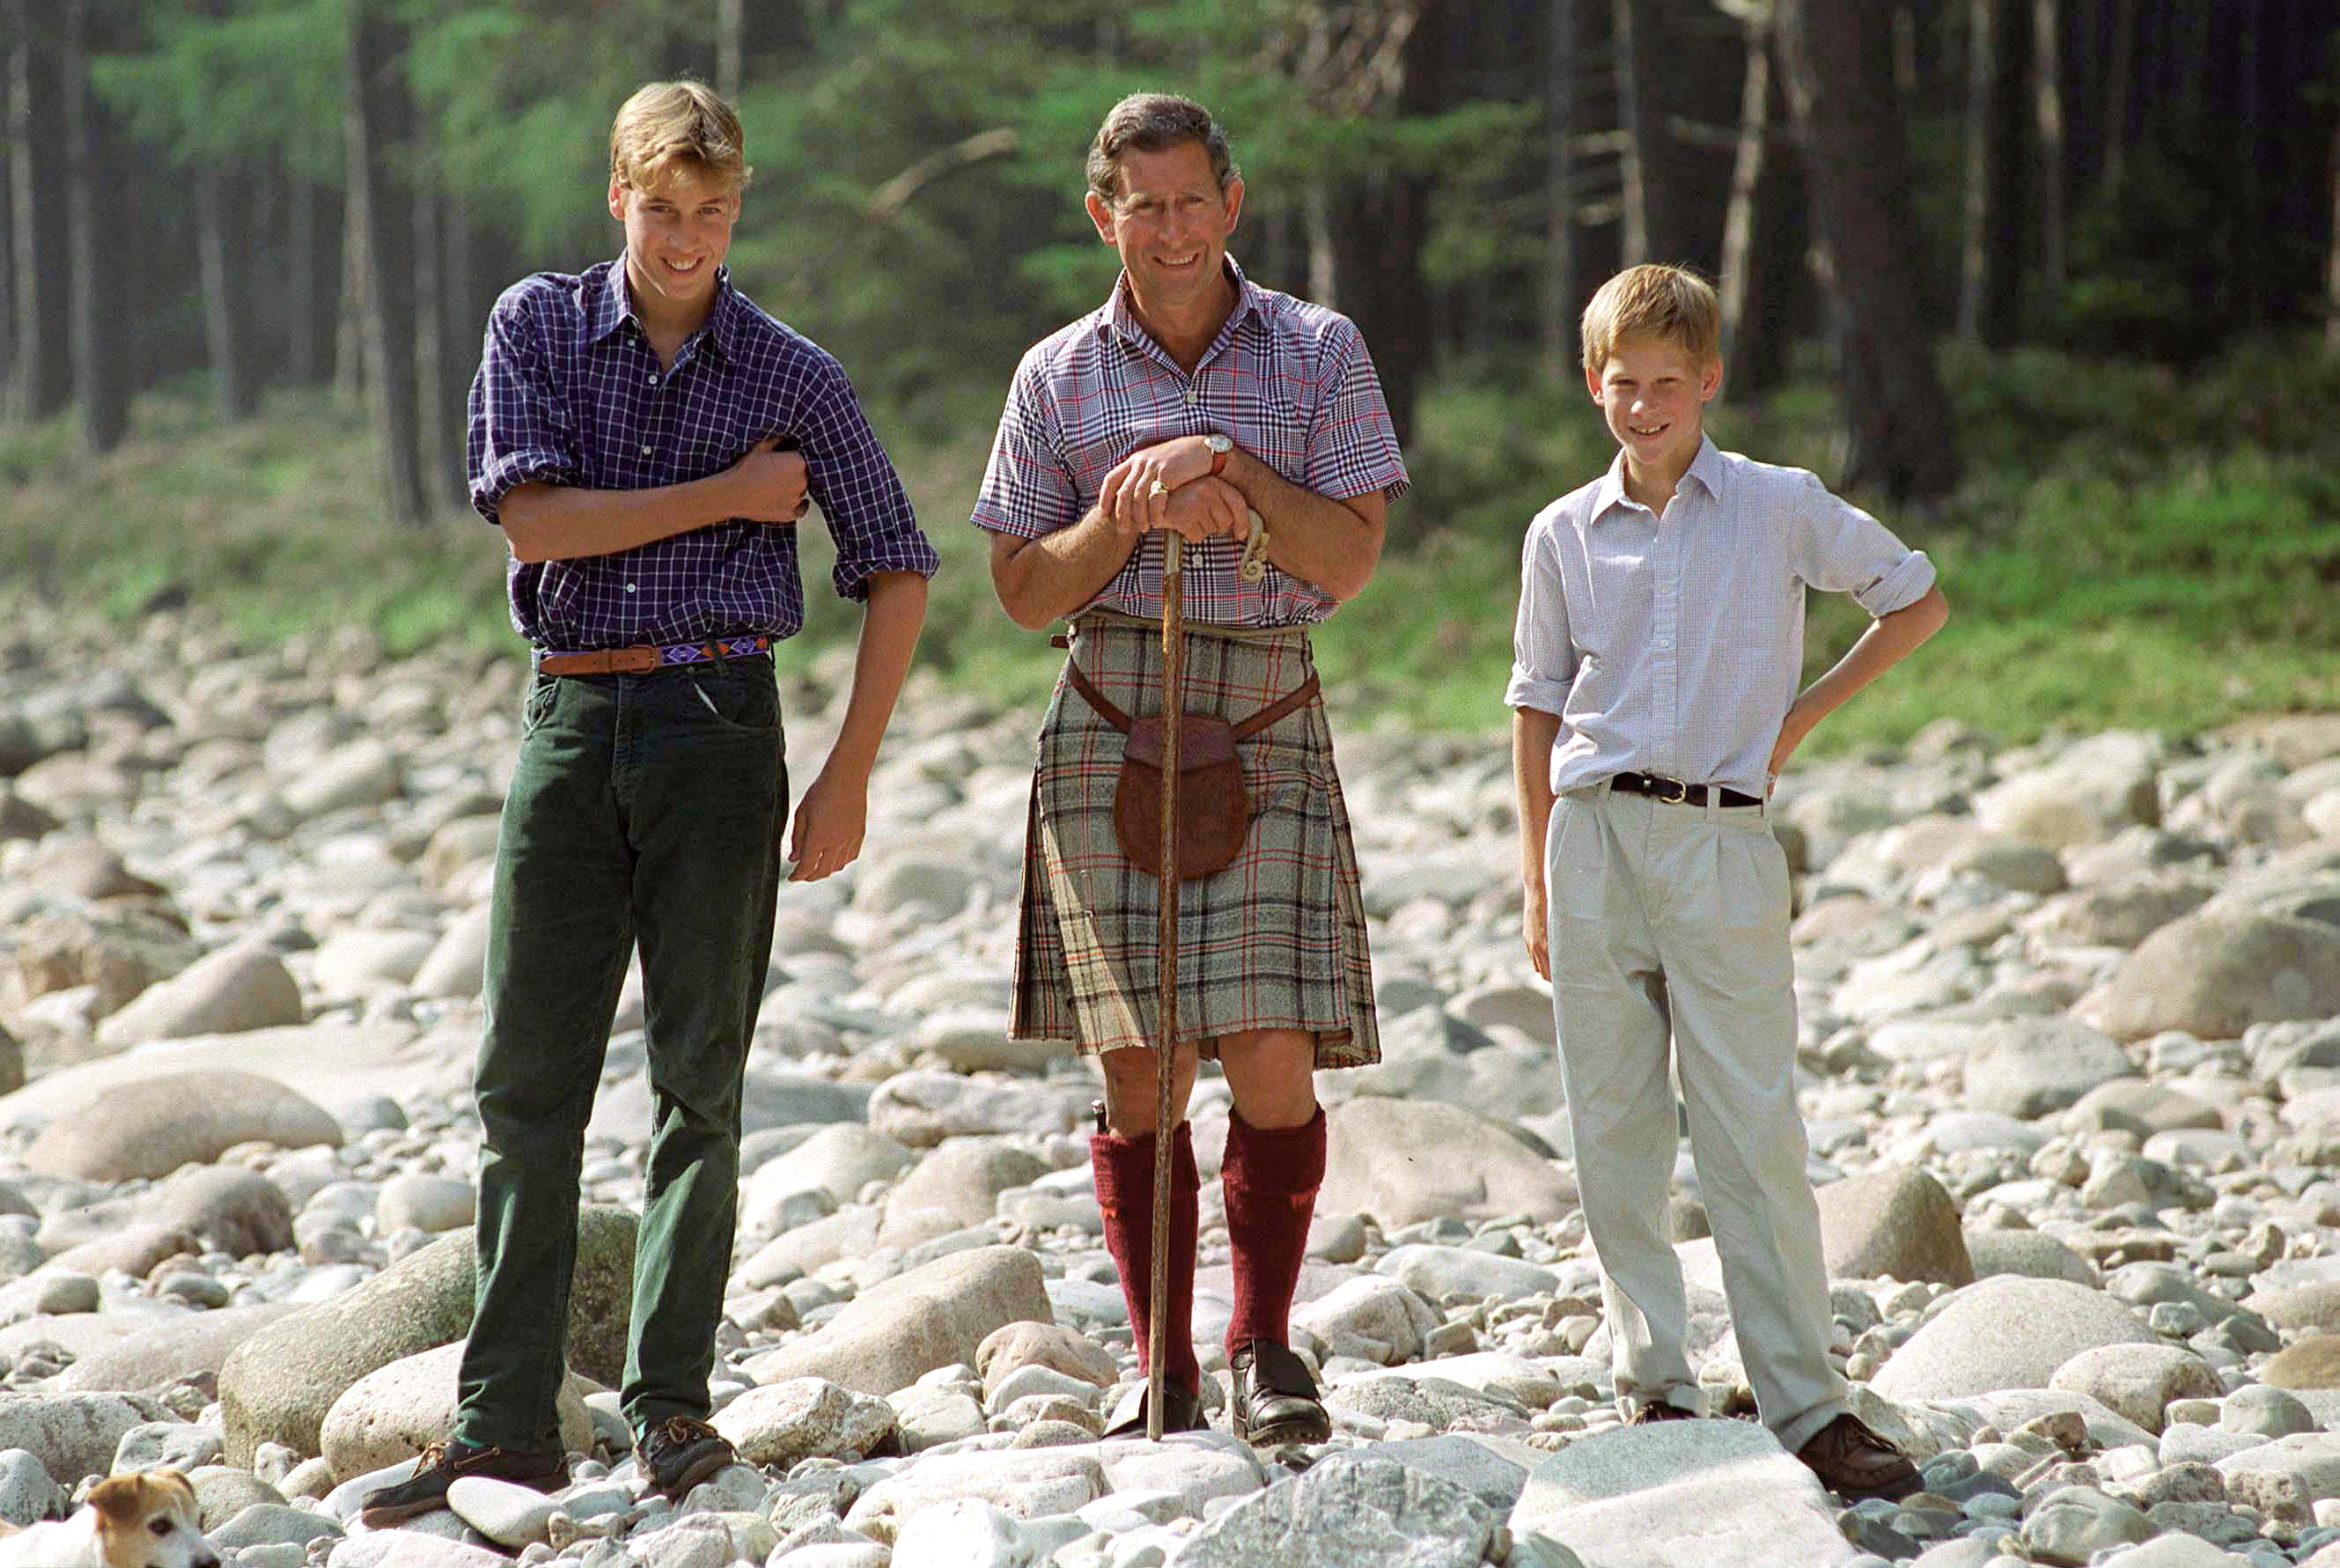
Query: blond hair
point(1672, 305)
point(670, 128)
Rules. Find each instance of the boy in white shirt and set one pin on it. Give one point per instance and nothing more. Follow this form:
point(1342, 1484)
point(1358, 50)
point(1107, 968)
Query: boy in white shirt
point(1655, 658)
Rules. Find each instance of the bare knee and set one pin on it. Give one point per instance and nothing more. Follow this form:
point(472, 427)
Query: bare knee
point(1133, 1088)
point(1273, 1075)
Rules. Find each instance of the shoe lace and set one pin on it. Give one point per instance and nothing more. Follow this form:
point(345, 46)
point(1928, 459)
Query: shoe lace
point(433, 1457)
point(679, 1430)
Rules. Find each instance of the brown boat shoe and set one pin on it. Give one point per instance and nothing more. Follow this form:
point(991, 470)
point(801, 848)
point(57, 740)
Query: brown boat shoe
point(1854, 1462)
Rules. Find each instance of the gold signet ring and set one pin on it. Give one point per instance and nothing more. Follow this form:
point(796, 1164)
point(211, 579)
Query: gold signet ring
point(1157, 488)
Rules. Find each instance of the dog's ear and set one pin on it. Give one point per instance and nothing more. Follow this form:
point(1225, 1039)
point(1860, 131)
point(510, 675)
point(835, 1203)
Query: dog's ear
point(122, 1499)
point(173, 1480)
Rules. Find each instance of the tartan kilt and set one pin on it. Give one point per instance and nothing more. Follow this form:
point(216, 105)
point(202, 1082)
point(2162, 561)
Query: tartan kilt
point(1273, 941)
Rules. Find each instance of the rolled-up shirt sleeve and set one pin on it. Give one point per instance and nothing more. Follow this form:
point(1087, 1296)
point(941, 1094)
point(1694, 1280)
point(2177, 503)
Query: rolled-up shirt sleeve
point(1027, 489)
point(1543, 655)
point(1352, 443)
point(1840, 548)
point(519, 429)
point(850, 478)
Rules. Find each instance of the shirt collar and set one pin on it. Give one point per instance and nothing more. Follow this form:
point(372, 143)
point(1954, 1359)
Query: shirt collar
point(1119, 319)
point(610, 306)
point(1706, 468)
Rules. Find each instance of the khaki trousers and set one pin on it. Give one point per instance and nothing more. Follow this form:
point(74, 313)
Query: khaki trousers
point(1669, 928)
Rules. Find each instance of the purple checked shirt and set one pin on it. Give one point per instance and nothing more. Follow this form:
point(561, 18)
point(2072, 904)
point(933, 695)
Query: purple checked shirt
point(570, 393)
point(1289, 380)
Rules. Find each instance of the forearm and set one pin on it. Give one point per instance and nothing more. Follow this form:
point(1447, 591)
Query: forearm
point(889, 635)
point(1533, 733)
point(1891, 639)
point(1045, 578)
point(1335, 545)
point(565, 522)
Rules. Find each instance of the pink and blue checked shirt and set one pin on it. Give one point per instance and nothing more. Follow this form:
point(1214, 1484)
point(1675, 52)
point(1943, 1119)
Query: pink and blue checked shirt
point(570, 393)
point(1672, 644)
point(1289, 380)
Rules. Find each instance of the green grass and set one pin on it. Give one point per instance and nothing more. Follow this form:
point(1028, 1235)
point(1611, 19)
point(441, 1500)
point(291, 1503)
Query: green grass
point(2131, 548)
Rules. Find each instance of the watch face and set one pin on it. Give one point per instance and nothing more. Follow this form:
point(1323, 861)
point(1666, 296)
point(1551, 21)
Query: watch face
point(1219, 442)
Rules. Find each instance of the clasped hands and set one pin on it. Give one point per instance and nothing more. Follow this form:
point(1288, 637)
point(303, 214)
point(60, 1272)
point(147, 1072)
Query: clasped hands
point(1170, 485)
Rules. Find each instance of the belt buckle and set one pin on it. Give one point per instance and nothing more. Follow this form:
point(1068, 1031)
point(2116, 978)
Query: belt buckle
point(1681, 792)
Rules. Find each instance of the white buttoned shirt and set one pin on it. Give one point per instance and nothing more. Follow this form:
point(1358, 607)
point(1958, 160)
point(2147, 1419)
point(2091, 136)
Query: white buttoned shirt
point(1672, 643)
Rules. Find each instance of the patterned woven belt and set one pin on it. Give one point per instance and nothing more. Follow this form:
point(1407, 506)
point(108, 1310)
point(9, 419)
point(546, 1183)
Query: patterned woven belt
point(642, 661)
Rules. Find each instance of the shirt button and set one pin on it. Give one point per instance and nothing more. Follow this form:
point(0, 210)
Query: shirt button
point(653, 378)
point(1665, 643)
point(646, 449)
point(1193, 394)
point(629, 588)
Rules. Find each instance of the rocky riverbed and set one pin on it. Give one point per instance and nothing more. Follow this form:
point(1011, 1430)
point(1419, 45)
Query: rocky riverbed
point(2071, 1044)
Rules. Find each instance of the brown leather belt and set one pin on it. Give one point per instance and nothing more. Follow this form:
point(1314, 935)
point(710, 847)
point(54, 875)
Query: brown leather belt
point(642, 661)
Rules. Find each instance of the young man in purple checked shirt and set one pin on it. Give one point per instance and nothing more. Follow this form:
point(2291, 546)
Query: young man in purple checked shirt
point(647, 438)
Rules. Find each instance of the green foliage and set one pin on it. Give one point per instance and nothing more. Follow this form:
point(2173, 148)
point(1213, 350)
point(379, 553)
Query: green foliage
point(2122, 559)
point(257, 85)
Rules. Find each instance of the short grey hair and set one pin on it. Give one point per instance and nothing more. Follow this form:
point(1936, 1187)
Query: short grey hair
point(1154, 122)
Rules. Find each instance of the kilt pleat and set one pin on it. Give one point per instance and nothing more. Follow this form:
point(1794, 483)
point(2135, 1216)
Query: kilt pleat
point(1273, 941)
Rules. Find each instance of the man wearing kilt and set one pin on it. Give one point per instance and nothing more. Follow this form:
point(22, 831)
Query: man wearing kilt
point(1252, 425)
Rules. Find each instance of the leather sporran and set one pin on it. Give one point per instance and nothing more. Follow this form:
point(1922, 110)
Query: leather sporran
point(1213, 804)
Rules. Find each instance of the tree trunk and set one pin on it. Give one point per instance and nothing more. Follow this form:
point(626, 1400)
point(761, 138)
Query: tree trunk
point(2120, 63)
point(41, 379)
point(1640, 138)
point(730, 47)
point(101, 376)
point(1559, 299)
point(301, 363)
point(1743, 304)
point(1992, 250)
point(377, 121)
point(2332, 263)
point(222, 321)
point(1839, 87)
point(2048, 113)
point(350, 377)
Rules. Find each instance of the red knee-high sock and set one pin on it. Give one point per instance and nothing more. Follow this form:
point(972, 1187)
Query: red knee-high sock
point(1124, 1192)
point(1270, 1178)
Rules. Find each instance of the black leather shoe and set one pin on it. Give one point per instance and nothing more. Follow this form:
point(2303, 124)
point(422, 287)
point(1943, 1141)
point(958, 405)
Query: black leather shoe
point(1182, 1411)
point(679, 1452)
point(441, 1465)
point(1276, 1400)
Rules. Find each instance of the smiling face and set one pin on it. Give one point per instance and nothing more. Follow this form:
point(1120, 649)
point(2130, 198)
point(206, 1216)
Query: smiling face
point(1653, 393)
point(678, 233)
point(1170, 223)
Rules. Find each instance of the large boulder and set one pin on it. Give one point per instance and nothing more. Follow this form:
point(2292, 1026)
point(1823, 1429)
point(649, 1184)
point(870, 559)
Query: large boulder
point(782, 1423)
point(181, 1348)
point(2006, 1331)
point(961, 1181)
point(922, 1109)
point(2095, 787)
point(2028, 1067)
point(74, 1434)
point(2138, 1381)
point(1682, 1492)
point(2217, 972)
point(937, 1315)
point(390, 1414)
point(1406, 1161)
point(1349, 1513)
point(238, 1211)
point(1895, 1221)
point(152, 1127)
point(277, 1386)
point(246, 986)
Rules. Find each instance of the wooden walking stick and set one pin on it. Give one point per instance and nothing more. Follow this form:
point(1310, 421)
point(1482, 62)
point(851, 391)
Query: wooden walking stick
point(1166, 1054)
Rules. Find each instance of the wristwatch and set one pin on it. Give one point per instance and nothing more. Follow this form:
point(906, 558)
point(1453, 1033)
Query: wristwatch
point(1220, 445)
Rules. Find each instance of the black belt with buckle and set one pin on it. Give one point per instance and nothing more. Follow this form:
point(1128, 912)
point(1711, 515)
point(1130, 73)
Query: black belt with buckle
point(1674, 792)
